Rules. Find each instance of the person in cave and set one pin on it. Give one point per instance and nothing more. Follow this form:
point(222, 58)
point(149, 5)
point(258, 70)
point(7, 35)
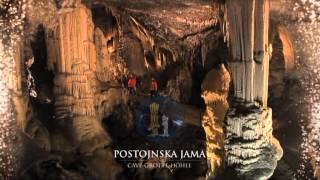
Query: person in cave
point(132, 84)
point(154, 88)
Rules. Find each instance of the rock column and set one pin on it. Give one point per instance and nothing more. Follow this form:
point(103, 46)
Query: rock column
point(249, 145)
point(81, 101)
point(74, 60)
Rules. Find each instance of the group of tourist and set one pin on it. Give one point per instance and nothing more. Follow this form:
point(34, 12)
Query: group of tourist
point(132, 86)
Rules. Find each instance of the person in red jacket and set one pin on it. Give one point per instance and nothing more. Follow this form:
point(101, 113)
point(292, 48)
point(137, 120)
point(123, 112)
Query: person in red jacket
point(132, 84)
point(154, 87)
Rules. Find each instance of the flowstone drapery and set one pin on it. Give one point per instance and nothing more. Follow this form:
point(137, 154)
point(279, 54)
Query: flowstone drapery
point(75, 83)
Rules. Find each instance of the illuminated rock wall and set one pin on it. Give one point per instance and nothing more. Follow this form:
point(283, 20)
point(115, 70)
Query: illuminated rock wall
point(249, 145)
point(109, 45)
point(104, 57)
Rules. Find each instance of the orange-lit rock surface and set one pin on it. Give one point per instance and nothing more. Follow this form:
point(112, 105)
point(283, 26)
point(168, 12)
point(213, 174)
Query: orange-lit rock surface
point(215, 92)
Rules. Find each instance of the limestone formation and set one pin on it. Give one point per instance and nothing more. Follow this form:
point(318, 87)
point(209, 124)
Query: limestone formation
point(178, 91)
point(82, 59)
point(249, 145)
point(84, 63)
point(215, 93)
point(248, 31)
point(109, 66)
point(74, 62)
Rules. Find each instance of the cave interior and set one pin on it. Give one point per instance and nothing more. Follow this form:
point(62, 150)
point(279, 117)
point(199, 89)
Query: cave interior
point(222, 76)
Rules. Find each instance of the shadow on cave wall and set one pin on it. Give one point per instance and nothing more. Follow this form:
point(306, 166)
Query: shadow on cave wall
point(43, 77)
point(39, 112)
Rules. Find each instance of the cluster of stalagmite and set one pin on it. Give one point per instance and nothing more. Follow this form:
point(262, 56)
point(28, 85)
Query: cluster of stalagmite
point(215, 92)
point(249, 145)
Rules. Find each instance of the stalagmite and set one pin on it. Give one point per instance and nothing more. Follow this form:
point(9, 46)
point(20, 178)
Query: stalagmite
point(215, 92)
point(249, 144)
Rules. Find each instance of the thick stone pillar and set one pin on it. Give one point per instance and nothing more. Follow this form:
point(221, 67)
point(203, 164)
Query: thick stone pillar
point(73, 56)
point(80, 100)
point(249, 145)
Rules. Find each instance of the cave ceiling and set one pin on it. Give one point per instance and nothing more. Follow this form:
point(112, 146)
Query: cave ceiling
point(169, 21)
